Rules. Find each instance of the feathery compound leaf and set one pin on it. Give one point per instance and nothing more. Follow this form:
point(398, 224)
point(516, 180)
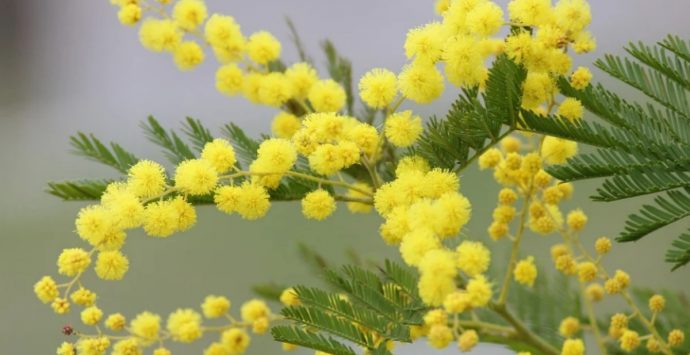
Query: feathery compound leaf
point(340, 70)
point(90, 147)
point(79, 190)
point(316, 318)
point(679, 255)
point(672, 207)
point(197, 133)
point(640, 183)
point(245, 147)
point(174, 148)
point(316, 341)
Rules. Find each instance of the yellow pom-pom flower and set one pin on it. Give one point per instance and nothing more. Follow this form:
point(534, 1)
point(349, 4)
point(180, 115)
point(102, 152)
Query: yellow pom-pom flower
point(318, 205)
point(289, 297)
point(129, 14)
point(403, 128)
point(116, 322)
point(425, 42)
point(485, 19)
point(189, 14)
point(188, 55)
point(83, 297)
point(263, 48)
point(254, 309)
point(440, 335)
point(236, 340)
point(580, 78)
point(378, 88)
point(146, 325)
point(569, 327)
point(531, 12)
point(557, 151)
point(159, 35)
point(573, 347)
point(127, 347)
point(73, 261)
point(229, 79)
point(525, 271)
point(215, 306)
point(146, 179)
point(184, 325)
point(46, 289)
point(327, 96)
point(285, 125)
point(91, 315)
point(473, 258)
point(160, 219)
point(676, 337)
point(66, 349)
point(577, 220)
point(420, 82)
point(196, 177)
point(630, 340)
point(111, 265)
point(468, 340)
point(572, 15)
point(225, 37)
point(479, 291)
point(253, 201)
point(302, 77)
point(571, 109)
point(220, 154)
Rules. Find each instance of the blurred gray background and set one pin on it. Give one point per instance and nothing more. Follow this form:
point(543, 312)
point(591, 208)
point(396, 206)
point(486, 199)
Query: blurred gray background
point(68, 65)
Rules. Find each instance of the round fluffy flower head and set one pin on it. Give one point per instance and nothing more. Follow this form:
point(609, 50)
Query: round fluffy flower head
point(146, 326)
point(572, 15)
point(254, 309)
point(676, 338)
point(479, 291)
point(573, 347)
point(507, 196)
point(569, 327)
point(188, 55)
point(536, 89)
point(146, 179)
point(160, 219)
point(220, 154)
point(159, 35)
point(318, 205)
point(434, 288)
point(162, 351)
point(111, 265)
point(525, 271)
point(490, 158)
point(115, 321)
point(129, 14)
point(73, 261)
point(225, 37)
point(403, 128)
point(425, 42)
point(227, 198)
point(456, 302)
point(60, 305)
point(497, 230)
point(66, 349)
point(602, 245)
point(46, 289)
point(229, 79)
point(196, 177)
point(378, 87)
point(571, 109)
point(657, 303)
point(577, 220)
point(485, 19)
point(184, 325)
point(587, 271)
point(594, 292)
point(253, 201)
point(468, 340)
point(215, 306)
point(278, 153)
point(285, 125)
point(440, 182)
point(421, 82)
point(435, 316)
point(584, 43)
point(630, 340)
point(531, 12)
point(622, 278)
point(263, 48)
point(189, 14)
point(91, 315)
point(327, 96)
point(580, 78)
point(301, 76)
point(236, 340)
point(129, 346)
point(410, 164)
point(289, 297)
point(93, 346)
point(184, 212)
point(473, 258)
point(557, 151)
point(274, 89)
point(440, 335)
point(438, 262)
point(83, 297)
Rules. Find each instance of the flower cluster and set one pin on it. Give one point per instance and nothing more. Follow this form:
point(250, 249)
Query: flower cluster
point(317, 145)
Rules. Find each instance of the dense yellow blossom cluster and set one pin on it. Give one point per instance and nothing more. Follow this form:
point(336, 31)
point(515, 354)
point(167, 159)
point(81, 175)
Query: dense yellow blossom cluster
point(423, 211)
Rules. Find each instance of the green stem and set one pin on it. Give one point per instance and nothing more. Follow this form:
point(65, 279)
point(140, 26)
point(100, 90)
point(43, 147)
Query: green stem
point(524, 333)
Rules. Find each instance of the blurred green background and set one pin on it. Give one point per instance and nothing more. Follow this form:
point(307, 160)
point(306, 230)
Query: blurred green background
point(68, 66)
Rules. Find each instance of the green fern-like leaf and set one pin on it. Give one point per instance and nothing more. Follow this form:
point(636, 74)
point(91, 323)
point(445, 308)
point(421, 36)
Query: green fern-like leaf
point(174, 148)
point(311, 340)
point(90, 147)
point(80, 190)
point(197, 133)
